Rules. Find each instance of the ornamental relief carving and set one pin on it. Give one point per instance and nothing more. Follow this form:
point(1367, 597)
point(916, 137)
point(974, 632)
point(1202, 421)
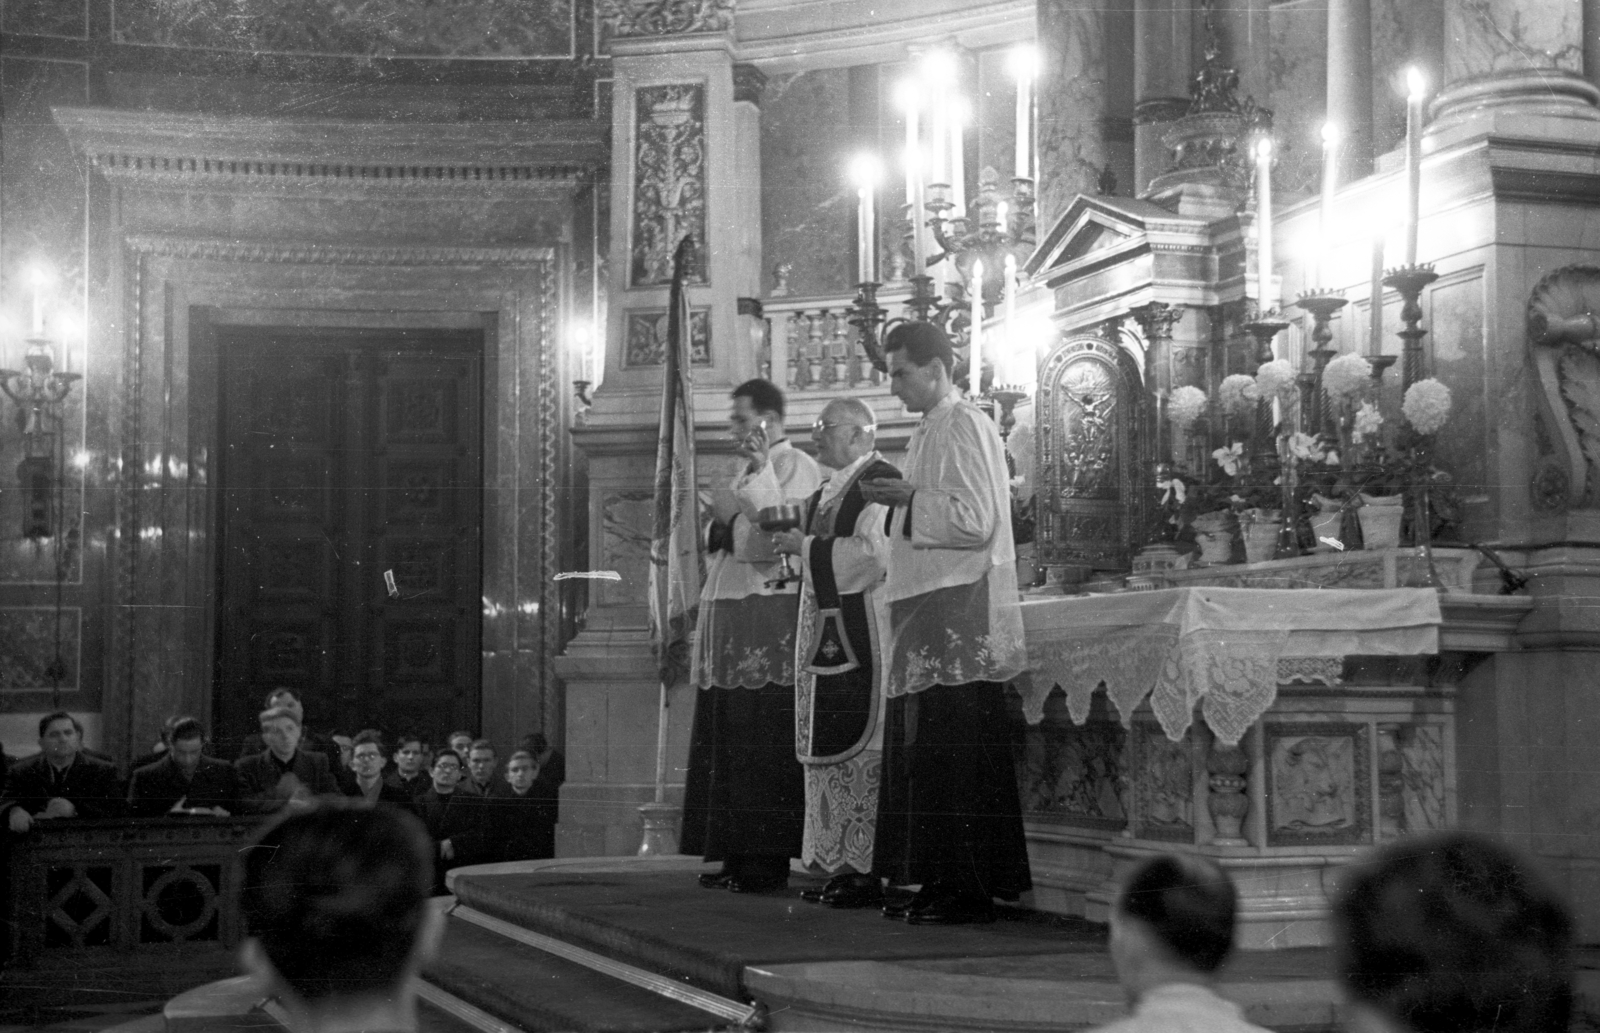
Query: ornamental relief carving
point(669, 189)
point(633, 18)
point(1564, 338)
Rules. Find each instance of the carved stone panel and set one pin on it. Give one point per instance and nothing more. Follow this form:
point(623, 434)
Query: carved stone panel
point(1163, 786)
point(633, 18)
point(29, 637)
point(1411, 779)
point(1564, 334)
point(1090, 416)
point(1074, 775)
point(625, 527)
point(1318, 784)
point(646, 343)
point(669, 180)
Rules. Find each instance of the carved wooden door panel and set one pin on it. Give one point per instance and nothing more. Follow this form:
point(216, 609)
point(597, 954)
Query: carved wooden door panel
point(351, 490)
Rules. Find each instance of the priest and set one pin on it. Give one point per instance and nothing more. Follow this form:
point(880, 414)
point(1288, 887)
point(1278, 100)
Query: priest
point(744, 655)
point(949, 818)
point(839, 641)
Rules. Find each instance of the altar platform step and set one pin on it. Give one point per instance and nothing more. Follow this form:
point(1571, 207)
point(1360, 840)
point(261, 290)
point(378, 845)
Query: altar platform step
point(633, 943)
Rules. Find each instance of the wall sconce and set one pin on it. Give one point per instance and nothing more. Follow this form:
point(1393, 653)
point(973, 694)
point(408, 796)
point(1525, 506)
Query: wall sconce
point(39, 392)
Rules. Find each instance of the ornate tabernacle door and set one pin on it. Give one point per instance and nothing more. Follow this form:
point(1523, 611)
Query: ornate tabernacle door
point(1090, 419)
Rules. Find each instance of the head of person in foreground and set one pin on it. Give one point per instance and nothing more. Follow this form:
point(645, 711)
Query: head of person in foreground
point(1456, 933)
point(1173, 923)
point(335, 900)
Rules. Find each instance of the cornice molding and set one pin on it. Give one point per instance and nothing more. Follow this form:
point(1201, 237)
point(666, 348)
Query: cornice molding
point(279, 252)
point(165, 147)
point(788, 36)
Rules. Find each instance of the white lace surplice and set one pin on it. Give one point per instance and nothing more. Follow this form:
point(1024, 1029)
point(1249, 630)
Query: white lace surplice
point(1218, 647)
point(745, 643)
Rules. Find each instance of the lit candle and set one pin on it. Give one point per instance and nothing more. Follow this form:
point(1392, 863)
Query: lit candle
point(1330, 184)
point(1375, 299)
point(1002, 212)
point(38, 307)
point(975, 355)
point(1269, 299)
point(1024, 65)
point(1415, 85)
point(1009, 335)
point(958, 158)
point(937, 68)
point(919, 247)
point(864, 171)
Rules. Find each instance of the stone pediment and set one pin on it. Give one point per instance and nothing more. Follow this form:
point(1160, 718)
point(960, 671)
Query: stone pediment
point(1095, 230)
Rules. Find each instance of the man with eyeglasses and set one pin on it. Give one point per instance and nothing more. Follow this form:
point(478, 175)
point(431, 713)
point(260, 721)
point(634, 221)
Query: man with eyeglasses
point(454, 819)
point(744, 657)
point(844, 554)
point(368, 757)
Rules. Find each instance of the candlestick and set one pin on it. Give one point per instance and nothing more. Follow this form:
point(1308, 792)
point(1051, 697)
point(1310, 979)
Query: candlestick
point(1330, 184)
point(958, 159)
point(1024, 65)
point(1266, 289)
point(975, 353)
point(1415, 86)
point(1009, 332)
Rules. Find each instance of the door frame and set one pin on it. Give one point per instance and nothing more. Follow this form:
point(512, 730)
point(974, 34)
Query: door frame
point(162, 649)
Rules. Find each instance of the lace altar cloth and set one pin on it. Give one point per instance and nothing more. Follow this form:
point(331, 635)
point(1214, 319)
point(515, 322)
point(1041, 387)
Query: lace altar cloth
point(1218, 647)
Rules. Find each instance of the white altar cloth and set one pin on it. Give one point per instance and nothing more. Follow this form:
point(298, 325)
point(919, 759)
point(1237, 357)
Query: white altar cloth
point(1216, 646)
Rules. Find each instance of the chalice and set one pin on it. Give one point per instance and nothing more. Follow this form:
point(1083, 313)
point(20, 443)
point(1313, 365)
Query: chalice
point(781, 518)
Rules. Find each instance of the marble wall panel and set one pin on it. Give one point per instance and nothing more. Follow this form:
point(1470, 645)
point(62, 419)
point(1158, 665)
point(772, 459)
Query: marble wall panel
point(386, 28)
point(69, 18)
point(1072, 105)
point(1456, 339)
point(1486, 36)
point(626, 524)
point(1404, 33)
point(1297, 81)
point(1163, 792)
point(1074, 775)
point(29, 646)
point(645, 340)
point(808, 210)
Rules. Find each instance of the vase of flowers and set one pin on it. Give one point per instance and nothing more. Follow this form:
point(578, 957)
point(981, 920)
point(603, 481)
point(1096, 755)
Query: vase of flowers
point(1261, 529)
point(1380, 517)
point(1213, 533)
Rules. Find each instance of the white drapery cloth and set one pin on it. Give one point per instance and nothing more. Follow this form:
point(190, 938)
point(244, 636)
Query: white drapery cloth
point(1218, 647)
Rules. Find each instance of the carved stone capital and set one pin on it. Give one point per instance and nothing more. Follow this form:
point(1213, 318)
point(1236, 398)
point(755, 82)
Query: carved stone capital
point(642, 18)
point(1156, 319)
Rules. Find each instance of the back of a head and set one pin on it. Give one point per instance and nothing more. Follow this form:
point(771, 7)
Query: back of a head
point(1456, 933)
point(764, 395)
point(337, 896)
point(1189, 903)
point(921, 343)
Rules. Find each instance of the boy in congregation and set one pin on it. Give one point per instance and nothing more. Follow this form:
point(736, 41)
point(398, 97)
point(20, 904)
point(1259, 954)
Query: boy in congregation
point(283, 773)
point(1171, 932)
point(522, 812)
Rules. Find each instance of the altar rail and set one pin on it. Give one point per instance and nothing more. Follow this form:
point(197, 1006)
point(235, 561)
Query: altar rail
point(811, 346)
point(125, 884)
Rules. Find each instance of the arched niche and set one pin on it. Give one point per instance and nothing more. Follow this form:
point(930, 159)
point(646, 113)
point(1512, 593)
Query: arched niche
point(1091, 442)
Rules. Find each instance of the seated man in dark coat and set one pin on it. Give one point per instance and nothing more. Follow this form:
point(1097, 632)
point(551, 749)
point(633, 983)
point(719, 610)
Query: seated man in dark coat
point(282, 773)
point(369, 755)
point(410, 772)
point(522, 813)
point(455, 819)
point(60, 782)
point(184, 780)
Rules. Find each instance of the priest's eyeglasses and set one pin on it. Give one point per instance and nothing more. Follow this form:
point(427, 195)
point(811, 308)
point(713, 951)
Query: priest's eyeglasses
point(818, 428)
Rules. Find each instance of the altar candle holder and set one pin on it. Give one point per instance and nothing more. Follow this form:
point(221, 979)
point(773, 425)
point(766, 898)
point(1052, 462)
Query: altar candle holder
point(1409, 281)
point(866, 315)
point(1264, 328)
point(1322, 305)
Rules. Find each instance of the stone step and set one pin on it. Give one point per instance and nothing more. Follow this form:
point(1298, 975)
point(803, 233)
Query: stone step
point(536, 985)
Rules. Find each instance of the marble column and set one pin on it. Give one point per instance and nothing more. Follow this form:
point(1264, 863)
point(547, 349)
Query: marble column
point(1350, 84)
point(1161, 83)
point(1072, 105)
point(1515, 58)
point(1591, 40)
point(685, 161)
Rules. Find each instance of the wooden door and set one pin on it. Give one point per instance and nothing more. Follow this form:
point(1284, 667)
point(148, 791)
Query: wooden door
point(351, 482)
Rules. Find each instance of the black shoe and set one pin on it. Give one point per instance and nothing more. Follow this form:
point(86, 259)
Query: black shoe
point(953, 910)
point(715, 880)
point(814, 895)
point(897, 905)
point(853, 891)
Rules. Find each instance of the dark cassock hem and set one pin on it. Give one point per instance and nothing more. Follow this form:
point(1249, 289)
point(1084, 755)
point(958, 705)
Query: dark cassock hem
point(948, 810)
point(697, 779)
point(756, 798)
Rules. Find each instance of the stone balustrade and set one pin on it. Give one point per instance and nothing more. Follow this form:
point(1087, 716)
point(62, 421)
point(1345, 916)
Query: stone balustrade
point(811, 346)
point(126, 884)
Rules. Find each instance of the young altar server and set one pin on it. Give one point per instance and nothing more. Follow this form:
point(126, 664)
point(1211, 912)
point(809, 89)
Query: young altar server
point(839, 642)
point(744, 656)
point(949, 818)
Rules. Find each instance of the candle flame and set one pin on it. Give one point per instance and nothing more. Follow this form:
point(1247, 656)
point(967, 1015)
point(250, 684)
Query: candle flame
point(1330, 134)
point(1264, 149)
point(939, 66)
point(39, 274)
point(1001, 210)
point(866, 171)
point(1024, 61)
point(1416, 84)
point(977, 269)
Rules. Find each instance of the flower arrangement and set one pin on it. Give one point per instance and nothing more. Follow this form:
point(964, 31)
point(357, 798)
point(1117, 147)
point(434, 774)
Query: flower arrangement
point(1346, 377)
point(1426, 406)
point(1238, 394)
point(1275, 379)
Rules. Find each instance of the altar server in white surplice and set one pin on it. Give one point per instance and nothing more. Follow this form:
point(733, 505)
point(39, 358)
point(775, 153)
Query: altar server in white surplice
point(744, 657)
point(949, 818)
point(839, 642)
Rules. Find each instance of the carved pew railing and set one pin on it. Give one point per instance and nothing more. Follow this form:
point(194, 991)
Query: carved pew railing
point(126, 884)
